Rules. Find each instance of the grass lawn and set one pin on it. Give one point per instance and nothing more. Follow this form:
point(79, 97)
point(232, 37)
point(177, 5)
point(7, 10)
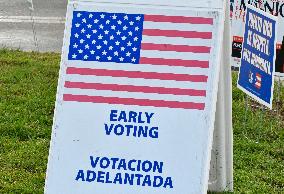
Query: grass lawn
point(28, 84)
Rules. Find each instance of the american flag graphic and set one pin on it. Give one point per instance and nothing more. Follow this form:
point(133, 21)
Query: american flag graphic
point(137, 59)
point(257, 81)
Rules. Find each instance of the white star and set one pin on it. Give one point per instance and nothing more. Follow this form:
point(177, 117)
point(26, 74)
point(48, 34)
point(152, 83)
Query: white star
point(87, 46)
point(136, 28)
point(99, 47)
point(118, 32)
point(98, 57)
point(117, 43)
point(105, 42)
point(96, 21)
point(123, 38)
point(128, 54)
point(131, 23)
point(111, 37)
point(115, 53)
point(82, 41)
point(135, 39)
point(84, 20)
point(125, 27)
point(133, 59)
point(89, 25)
point(88, 36)
point(79, 15)
point(122, 48)
point(77, 25)
point(91, 16)
point(94, 41)
point(94, 31)
point(109, 58)
point(92, 52)
point(106, 31)
point(104, 52)
point(126, 17)
point(121, 58)
point(138, 18)
point(107, 22)
point(134, 49)
point(83, 31)
point(114, 17)
point(101, 26)
point(77, 35)
point(100, 37)
point(80, 51)
point(102, 16)
point(74, 56)
point(86, 57)
point(130, 33)
point(119, 22)
point(113, 27)
point(75, 45)
point(110, 48)
point(129, 43)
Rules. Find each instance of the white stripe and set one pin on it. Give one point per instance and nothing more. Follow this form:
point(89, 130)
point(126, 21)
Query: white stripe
point(175, 55)
point(139, 67)
point(178, 26)
point(258, 84)
point(35, 19)
point(136, 95)
point(136, 81)
point(176, 41)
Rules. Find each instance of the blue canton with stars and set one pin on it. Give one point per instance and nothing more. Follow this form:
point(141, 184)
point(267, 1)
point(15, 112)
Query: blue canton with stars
point(106, 37)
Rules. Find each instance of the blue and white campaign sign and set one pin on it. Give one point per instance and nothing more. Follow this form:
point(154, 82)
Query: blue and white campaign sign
point(136, 100)
point(256, 76)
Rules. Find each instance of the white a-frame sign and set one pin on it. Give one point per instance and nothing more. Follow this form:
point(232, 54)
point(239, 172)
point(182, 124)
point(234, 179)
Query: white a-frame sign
point(137, 98)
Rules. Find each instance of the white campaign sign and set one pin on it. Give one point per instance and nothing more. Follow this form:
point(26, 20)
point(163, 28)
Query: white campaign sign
point(136, 100)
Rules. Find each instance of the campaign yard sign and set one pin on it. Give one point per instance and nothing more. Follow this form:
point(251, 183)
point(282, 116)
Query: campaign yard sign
point(136, 100)
point(256, 75)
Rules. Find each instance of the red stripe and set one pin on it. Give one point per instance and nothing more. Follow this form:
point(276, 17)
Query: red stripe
point(177, 48)
point(174, 62)
point(177, 33)
point(137, 74)
point(133, 101)
point(130, 88)
point(178, 19)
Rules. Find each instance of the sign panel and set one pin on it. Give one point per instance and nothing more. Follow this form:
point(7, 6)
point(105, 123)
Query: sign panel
point(273, 7)
point(136, 100)
point(258, 56)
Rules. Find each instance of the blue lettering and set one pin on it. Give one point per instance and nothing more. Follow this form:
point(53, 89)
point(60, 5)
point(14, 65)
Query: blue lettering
point(158, 181)
point(113, 115)
point(147, 181)
point(91, 176)
point(128, 179)
point(80, 175)
point(146, 166)
point(101, 177)
point(107, 162)
point(107, 178)
point(117, 178)
point(168, 183)
point(122, 164)
point(94, 163)
point(130, 165)
point(122, 116)
point(154, 133)
point(108, 129)
point(149, 116)
point(140, 120)
point(116, 129)
point(132, 116)
point(138, 176)
point(158, 166)
point(114, 160)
